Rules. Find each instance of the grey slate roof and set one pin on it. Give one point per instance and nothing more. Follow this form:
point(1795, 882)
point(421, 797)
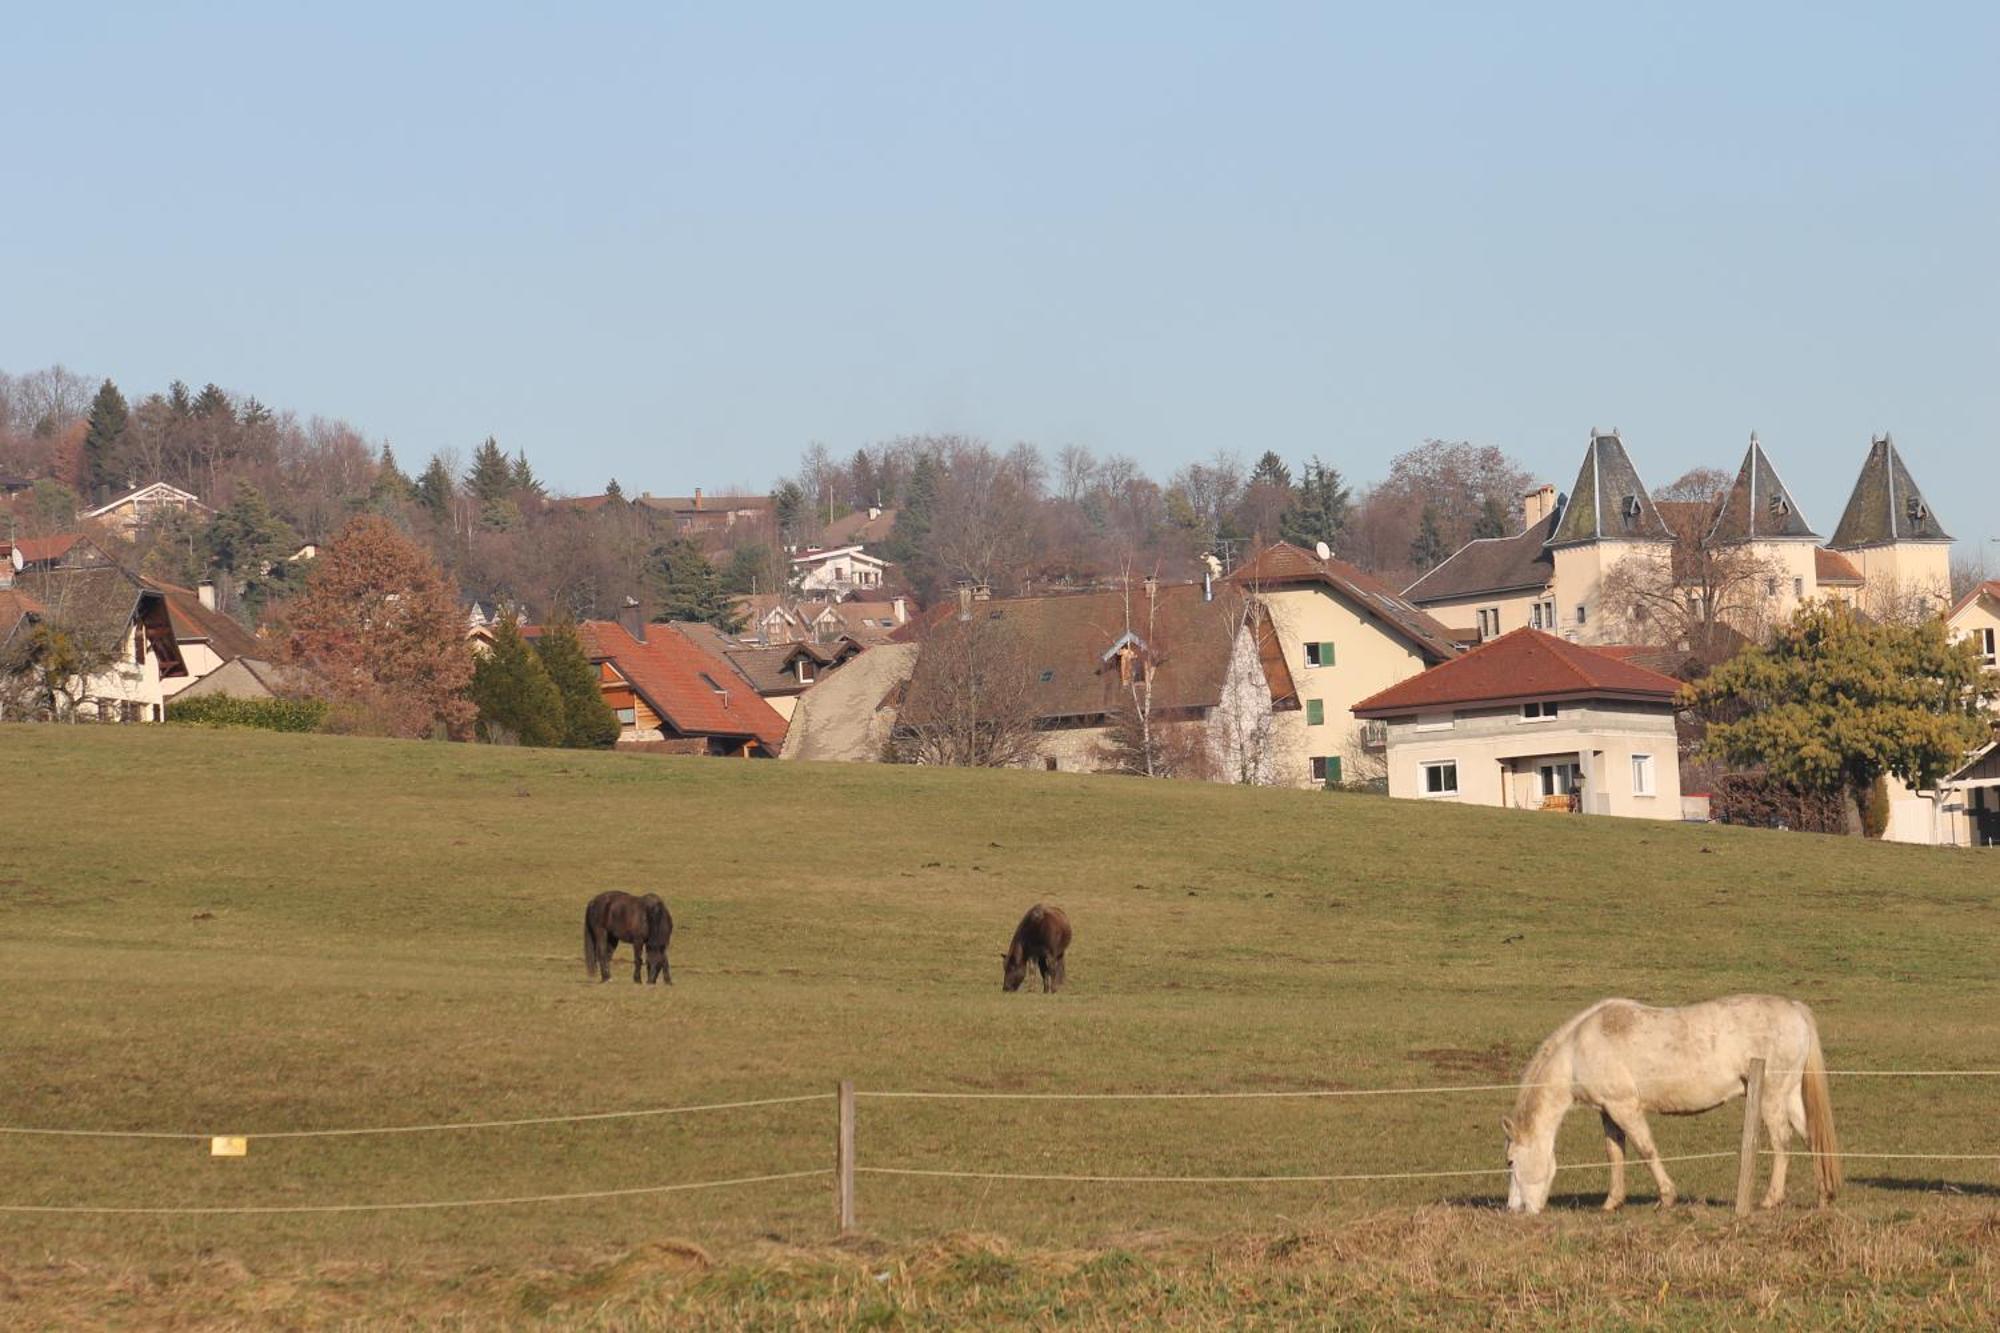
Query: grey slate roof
point(1487, 565)
point(1886, 505)
point(1758, 507)
point(1608, 502)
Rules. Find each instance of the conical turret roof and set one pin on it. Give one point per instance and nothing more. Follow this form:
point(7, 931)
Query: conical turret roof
point(1886, 505)
point(1758, 507)
point(1608, 502)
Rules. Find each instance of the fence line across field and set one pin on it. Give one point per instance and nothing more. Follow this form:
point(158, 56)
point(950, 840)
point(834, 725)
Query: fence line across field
point(870, 1094)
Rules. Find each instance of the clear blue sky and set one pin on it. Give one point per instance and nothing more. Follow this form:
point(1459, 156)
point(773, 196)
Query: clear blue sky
point(677, 245)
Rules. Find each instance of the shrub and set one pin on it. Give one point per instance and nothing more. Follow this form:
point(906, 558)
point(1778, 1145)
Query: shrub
point(220, 710)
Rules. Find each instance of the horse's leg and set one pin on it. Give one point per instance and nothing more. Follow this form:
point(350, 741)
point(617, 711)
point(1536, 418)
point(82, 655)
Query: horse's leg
point(1614, 1148)
point(1633, 1121)
point(605, 944)
point(1047, 970)
point(1062, 973)
point(1777, 1126)
point(638, 962)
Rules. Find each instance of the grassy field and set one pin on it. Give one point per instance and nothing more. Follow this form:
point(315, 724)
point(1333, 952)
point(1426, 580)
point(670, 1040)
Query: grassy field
point(239, 933)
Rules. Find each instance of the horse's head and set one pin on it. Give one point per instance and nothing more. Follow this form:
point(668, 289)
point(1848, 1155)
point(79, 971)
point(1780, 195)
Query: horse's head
point(1531, 1168)
point(1013, 970)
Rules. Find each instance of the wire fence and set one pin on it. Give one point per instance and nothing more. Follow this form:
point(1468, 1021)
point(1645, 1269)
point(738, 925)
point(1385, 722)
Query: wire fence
point(846, 1168)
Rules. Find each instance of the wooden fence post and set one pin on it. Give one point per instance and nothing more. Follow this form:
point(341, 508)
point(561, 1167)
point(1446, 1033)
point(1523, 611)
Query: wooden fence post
point(1746, 1162)
point(843, 1172)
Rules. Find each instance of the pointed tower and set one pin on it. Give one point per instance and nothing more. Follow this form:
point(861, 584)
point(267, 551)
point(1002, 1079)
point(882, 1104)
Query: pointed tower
point(1890, 533)
point(1607, 518)
point(1758, 514)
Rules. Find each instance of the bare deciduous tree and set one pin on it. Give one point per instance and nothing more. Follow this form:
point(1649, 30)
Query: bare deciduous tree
point(968, 704)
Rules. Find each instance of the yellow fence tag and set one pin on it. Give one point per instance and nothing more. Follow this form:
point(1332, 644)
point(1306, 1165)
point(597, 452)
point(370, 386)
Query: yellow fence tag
point(228, 1145)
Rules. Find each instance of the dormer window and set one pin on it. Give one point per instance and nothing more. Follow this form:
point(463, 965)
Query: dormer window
point(1780, 506)
point(1632, 506)
point(1918, 510)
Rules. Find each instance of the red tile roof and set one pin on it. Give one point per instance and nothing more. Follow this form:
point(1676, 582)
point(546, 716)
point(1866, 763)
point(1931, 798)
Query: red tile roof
point(1833, 567)
point(1526, 664)
point(1990, 588)
point(16, 606)
point(36, 550)
point(1282, 563)
point(667, 668)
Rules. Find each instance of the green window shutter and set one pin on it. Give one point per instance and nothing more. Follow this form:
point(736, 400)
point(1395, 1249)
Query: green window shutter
point(1315, 712)
point(1333, 770)
point(1326, 654)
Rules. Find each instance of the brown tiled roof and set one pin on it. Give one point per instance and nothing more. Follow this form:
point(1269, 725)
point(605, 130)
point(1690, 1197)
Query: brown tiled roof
point(668, 669)
point(582, 503)
point(763, 668)
point(720, 504)
point(1832, 567)
point(1489, 565)
point(1066, 639)
point(16, 606)
point(1281, 564)
point(1522, 665)
point(858, 528)
point(194, 623)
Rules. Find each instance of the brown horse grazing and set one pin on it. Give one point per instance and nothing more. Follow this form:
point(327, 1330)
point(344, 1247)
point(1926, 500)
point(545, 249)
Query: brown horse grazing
point(644, 923)
point(1042, 938)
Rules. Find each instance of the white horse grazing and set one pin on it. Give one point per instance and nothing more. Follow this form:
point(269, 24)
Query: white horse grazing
point(1626, 1059)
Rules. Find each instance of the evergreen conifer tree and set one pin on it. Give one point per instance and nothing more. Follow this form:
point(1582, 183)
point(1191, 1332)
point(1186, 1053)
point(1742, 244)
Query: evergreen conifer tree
point(516, 697)
point(613, 491)
point(687, 587)
point(390, 485)
point(1271, 471)
point(521, 476)
point(103, 442)
point(1318, 512)
point(1492, 520)
point(588, 722)
point(491, 476)
point(213, 402)
point(434, 488)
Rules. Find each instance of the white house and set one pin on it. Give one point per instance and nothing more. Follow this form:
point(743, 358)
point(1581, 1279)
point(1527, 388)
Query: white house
point(135, 509)
point(838, 571)
point(1529, 721)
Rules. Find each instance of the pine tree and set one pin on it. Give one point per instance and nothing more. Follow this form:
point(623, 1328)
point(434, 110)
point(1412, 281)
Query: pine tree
point(517, 699)
point(390, 487)
point(491, 476)
point(788, 505)
point(521, 476)
point(687, 587)
point(435, 488)
point(255, 413)
point(178, 400)
point(1271, 471)
point(250, 543)
point(213, 402)
point(1427, 547)
point(613, 491)
point(910, 544)
point(1319, 508)
point(588, 722)
point(1492, 520)
point(103, 441)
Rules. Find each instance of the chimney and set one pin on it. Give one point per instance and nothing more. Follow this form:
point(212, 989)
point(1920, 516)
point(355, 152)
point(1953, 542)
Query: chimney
point(874, 512)
point(697, 497)
point(629, 617)
point(1538, 505)
point(965, 601)
point(205, 591)
point(982, 592)
point(902, 612)
point(1152, 586)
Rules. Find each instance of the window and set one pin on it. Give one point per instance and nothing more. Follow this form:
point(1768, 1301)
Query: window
point(627, 717)
point(1319, 654)
point(1798, 587)
point(1435, 721)
point(1489, 622)
point(1326, 771)
point(1642, 775)
point(1558, 779)
point(1441, 778)
point(1048, 676)
point(1770, 587)
point(1315, 712)
point(709, 681)
point(1982, 639)
point(805, 671)
point(1542, 615)
point(1582, 614)
point(1538, 712)
point(1049, 764)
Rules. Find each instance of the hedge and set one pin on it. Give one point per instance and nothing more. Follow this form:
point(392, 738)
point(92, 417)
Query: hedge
point(220, 710)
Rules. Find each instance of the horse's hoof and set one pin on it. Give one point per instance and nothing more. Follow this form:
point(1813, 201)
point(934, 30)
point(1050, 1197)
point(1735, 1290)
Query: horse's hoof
point(1613, 1205)
point(1668, 1200)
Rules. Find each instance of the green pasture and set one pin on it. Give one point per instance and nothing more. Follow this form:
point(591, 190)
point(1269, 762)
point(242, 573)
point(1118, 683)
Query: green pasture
point(215, 932)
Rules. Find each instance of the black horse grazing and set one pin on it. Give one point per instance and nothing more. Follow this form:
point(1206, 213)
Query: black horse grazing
point(641, 922)
point(1042, 938)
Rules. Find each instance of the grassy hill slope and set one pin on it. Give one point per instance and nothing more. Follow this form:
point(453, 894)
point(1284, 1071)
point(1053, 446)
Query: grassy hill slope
point(235, 933)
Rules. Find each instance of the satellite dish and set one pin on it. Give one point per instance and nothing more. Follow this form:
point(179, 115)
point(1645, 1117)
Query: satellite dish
point(1322, 550)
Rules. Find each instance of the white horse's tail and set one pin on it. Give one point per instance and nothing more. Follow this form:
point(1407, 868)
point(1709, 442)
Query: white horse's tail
point(1820, 1138)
